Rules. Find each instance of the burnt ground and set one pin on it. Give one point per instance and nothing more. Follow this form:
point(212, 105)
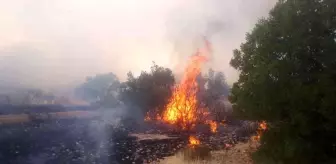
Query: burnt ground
point(81, 141)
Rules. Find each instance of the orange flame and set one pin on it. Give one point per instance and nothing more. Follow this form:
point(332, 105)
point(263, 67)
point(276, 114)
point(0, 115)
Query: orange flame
point(262, 127)
point(213, 126)
point(182, 107)
point(193, 141)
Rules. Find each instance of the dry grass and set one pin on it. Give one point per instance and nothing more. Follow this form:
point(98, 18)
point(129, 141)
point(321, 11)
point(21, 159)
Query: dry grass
point(142, 136)
point(18, 118)
point(239, 154)
point(77, 114)
point(22, 118)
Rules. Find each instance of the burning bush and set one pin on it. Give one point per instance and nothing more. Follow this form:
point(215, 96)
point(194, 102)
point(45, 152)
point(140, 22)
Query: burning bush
point(183, 108)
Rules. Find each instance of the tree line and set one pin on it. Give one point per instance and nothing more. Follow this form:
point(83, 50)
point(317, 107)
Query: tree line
point(287, 78)
point(150, 91)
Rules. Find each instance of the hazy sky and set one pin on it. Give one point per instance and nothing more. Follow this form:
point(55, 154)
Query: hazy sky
point(57, 43)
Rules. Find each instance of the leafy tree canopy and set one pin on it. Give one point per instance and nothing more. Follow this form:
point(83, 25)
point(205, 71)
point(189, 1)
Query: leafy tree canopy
point(288, 78)
point(149, 91)
point(95, 88)
point(212, 86)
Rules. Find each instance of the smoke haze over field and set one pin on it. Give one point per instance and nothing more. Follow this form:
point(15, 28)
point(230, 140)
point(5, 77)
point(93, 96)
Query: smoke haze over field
point(57, 43)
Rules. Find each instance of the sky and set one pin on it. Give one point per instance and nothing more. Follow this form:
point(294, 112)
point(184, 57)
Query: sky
point(57, 43)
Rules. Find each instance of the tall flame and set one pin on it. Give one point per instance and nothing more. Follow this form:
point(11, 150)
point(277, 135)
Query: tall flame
point(182, 108)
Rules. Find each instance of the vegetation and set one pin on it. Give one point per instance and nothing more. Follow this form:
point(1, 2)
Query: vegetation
point(98, 88)
point(213, 88)
point(150, 91)
point(29, 96)
point(287, 77)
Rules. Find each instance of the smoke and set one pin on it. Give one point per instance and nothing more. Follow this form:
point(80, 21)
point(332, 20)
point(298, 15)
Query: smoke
point(101, 130)
point(223, 23)
point(83, 141)
point(56, 44)
point(101, 134)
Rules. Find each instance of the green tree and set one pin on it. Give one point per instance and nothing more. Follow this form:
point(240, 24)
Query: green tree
point(288, 78)
point(212, 88)
point(150, 91)
point(216, 84)
point(98, 88)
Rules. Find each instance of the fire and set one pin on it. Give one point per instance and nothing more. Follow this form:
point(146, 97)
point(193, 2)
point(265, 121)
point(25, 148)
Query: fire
point(262, 127)
point(193, 141)
point(213, 126)
point(182, 108)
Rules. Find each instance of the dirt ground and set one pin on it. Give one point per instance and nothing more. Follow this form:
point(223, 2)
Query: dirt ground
point(239, 154)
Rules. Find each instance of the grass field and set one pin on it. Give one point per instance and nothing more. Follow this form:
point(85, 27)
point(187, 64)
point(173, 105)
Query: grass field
point(23, 118)
point(17, 118)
